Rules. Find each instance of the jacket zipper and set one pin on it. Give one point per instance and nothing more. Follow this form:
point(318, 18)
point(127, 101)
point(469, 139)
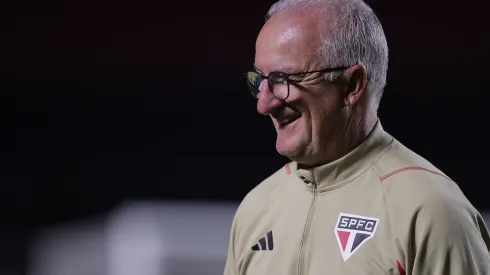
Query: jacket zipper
point(306, 231)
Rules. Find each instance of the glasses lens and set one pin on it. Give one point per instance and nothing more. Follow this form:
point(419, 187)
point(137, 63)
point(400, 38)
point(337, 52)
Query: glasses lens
point(254, 81)
point(279, 85)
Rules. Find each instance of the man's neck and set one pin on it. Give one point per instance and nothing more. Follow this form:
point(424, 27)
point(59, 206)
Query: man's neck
point(359, 134)
point(354, 133)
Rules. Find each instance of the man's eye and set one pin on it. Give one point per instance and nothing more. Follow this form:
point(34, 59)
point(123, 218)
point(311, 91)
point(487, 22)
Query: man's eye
point(278, 80)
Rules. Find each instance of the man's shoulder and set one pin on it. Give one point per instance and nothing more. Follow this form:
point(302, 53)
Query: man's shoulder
point(412, 182)
point(418, 193)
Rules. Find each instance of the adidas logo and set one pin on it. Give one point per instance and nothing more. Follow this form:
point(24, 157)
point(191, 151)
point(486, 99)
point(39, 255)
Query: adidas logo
point(266, 243)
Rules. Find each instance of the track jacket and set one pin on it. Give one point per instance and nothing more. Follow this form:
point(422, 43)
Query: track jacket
point(381, 209)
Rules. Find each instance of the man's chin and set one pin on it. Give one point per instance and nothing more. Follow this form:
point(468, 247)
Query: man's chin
point(288, 148)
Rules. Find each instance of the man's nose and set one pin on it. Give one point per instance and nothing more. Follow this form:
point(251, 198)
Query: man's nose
point(266, 102)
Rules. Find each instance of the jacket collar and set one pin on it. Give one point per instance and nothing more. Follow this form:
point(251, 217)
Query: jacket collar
point(350, 166)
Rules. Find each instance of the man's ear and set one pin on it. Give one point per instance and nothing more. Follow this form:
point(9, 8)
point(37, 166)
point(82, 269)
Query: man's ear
point(355, 84)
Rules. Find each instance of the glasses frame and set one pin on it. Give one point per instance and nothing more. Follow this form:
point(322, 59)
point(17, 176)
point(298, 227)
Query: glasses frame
point(255, 91)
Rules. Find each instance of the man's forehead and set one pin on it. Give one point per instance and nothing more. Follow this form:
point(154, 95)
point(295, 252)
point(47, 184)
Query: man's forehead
point(287, 44)
point(290, 33)
point(279, 67)
point(281, 30)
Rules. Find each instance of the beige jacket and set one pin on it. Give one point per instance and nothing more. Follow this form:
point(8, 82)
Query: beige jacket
point(381, 209)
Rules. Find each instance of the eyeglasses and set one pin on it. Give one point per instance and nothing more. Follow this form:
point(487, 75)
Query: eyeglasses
point(279, 82)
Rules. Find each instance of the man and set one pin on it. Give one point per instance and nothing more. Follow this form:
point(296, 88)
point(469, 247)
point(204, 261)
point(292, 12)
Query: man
point(353, 200)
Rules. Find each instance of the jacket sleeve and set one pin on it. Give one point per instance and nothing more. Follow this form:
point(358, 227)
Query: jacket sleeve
point(449, 238)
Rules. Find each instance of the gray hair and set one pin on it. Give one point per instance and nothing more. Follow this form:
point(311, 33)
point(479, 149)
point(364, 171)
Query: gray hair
point(356, 37)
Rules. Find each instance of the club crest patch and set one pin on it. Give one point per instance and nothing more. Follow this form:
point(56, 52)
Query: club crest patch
point(352, 231)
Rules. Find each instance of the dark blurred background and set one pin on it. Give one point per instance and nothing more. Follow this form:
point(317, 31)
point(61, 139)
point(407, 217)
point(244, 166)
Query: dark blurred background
point(104, 101)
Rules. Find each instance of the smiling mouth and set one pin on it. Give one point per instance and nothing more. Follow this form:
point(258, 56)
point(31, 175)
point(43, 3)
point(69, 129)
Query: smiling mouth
point(287, 120)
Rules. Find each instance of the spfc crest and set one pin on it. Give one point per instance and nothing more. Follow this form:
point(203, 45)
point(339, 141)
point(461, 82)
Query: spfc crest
point(352, 231)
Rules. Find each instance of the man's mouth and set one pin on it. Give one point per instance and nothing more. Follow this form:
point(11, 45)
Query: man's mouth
point(287, 120)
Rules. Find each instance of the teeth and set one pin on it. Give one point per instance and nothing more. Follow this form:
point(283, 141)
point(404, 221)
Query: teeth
point(286, 121)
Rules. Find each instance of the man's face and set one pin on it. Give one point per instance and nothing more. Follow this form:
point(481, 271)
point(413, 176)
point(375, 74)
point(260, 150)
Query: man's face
point(311, 119)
